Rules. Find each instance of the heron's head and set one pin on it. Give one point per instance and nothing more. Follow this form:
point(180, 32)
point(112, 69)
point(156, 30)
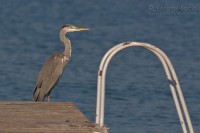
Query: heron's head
point(71, 28)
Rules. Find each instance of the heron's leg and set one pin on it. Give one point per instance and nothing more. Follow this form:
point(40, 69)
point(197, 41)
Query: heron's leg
point(49, 98)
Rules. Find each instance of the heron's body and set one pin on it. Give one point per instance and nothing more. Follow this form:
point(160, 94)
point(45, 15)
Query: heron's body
point(49, 75)
point(54, 66)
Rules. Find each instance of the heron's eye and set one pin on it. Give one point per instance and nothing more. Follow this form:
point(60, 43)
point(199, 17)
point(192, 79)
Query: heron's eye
point(73, 27)
point(69, 26)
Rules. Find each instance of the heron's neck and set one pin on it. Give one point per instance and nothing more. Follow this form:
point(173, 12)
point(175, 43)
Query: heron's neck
point(67, 43)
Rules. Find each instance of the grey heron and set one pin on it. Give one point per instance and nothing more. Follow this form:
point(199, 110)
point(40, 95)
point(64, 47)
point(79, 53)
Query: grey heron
point(54, 66)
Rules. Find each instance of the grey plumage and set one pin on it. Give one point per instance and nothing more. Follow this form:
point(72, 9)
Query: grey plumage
point(54, 66)
point(49, 76)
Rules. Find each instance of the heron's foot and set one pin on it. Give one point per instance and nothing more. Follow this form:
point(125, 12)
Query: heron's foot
point(49, 98)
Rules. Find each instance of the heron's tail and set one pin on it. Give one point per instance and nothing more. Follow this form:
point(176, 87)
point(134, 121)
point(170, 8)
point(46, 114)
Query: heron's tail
point(37, 96)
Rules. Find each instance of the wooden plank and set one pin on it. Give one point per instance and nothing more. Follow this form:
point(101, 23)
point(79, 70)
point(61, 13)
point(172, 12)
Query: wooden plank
point(43, 117)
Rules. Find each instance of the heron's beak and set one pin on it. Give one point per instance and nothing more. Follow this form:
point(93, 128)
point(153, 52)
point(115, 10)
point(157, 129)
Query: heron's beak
point(80, 29)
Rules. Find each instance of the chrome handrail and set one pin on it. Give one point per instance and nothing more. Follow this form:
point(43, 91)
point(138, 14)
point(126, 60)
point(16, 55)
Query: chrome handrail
point(170, 73)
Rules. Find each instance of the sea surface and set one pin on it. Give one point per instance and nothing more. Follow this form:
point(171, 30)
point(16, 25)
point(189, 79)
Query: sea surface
point(138, 98)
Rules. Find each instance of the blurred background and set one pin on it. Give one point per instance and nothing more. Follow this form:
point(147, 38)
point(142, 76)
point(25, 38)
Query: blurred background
point(138, 98)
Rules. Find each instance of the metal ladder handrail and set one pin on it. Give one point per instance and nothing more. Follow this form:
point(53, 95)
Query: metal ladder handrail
point(171, 76)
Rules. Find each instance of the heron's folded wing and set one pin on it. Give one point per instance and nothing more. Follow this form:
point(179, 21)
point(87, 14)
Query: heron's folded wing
point(52, 68)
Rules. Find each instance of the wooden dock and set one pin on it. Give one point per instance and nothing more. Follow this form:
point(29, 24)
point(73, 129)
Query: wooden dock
point(43, 117)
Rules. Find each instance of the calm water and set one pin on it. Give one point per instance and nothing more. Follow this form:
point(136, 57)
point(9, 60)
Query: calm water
point(138, 98)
